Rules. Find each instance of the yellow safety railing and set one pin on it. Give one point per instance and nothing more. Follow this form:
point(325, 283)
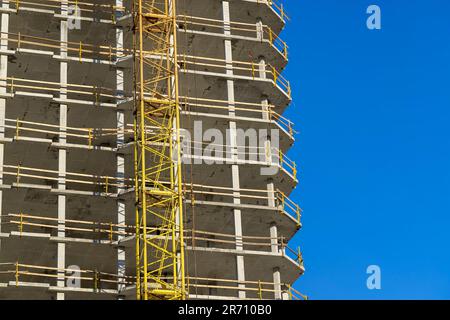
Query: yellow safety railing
point(84, 50)
point(99, 230)
point(242, 109)
point(246, 153)
point(296, 255)
point(20, 173)
point(93, 93)
point(240, 68)
point(286, 163)
point(295, 294)
point(289, 206)
point(198, 238)
point(80, 49)
point(254, 289)
point(87, 9)
point(278, 6)
point(199, 192)
point(105, 182)
point(109, 232)
point(262, 33)
point(24, 273)
point(30, 129)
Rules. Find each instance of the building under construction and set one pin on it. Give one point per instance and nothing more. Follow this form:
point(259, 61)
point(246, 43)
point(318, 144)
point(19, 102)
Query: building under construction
point(142, 151)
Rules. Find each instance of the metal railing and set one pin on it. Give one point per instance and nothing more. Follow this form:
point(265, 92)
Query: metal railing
point(86, 136)
point(278, 6)
point(92, 93)
point(258, 32)
point(86, 9)
point(27, 272)
point(244, 109)
point(22, 274)
point(240, 68)
point(108, 184)
point(199, 192)
point(109, 233)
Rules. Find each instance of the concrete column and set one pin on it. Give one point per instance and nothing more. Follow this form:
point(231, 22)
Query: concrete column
point(268, 152)
point(3, 75)
point(120, 158)
point(62, 153)
point(277, 283)
point(274, 238)
point(265, 108)
point(271, 193)
point(262, 67)
point(267, 143)
point(259, 30)
point(240, 268)
point(276, 270)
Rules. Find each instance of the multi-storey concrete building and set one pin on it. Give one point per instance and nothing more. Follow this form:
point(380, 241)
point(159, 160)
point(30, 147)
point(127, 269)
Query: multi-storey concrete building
point(142, 146)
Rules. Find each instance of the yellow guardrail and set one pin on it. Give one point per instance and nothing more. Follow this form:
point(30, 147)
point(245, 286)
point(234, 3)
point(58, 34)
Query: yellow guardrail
point(278, 6)
point(88, 9)
point(98, 280)
point(257, 31)
point(289, 206)
point(240, 68)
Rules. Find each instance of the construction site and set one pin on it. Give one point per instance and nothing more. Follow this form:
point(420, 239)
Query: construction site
point(115, 182)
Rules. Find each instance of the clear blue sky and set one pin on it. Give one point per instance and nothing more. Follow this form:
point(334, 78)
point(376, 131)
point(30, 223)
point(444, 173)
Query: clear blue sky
point(373, 109)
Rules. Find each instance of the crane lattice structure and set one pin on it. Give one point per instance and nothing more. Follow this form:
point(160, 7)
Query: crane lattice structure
point(159, 197)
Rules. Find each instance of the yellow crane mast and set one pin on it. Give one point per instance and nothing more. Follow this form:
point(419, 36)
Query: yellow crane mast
point(158, 180)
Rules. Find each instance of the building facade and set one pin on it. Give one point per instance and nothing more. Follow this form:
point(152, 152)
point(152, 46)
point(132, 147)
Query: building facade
point(142, 151)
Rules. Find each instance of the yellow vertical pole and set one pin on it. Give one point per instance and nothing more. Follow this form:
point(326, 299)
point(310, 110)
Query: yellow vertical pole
point(275, 76)
point(142, 155)
point(17, 128)
point(90, 138)
point(80, 54)
point(137, 217)
point(21, 224)
point(110, 232)
point(299, 254)
point(294, 170)
point(17, 274)
point(259, 290)
point(179, 168)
